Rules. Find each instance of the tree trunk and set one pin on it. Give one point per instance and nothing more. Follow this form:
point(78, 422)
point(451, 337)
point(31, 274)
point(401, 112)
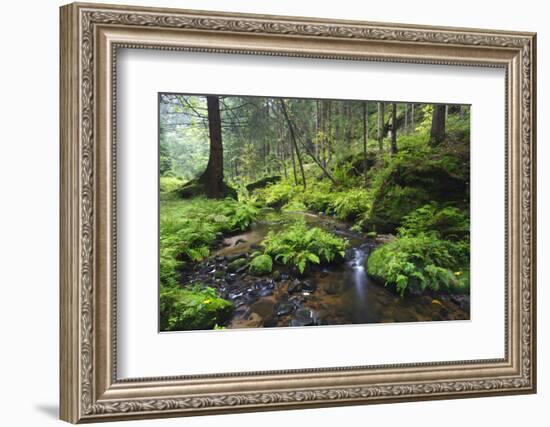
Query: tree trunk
point(293, 139)
point(394, 128)
point(212, 177)
point(380, 126)
point(412, 118)
point(329, 134)
point(365, 137)
point(437, 133)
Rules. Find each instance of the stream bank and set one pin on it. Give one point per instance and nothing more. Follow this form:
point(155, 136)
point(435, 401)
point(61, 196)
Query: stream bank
point(326, 295)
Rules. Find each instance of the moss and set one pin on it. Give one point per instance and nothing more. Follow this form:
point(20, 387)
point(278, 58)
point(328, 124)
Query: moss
point(263, 182)
point(168, 184)
point(196, 188)
point(410, 181)
point(261, 265)
point(233, 266)
point(195, 308)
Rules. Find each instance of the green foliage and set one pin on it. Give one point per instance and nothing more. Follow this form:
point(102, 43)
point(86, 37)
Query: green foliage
point(447, 222)
point(188, 228)
point(294, 206)
point(417, 175)
point(319, 197)
point(261, 265)
point(420, 263)
point(278, 194)
point(241, 215)
point(350, 204)
point(169, 183)
point(192, 308)
point(299, 246)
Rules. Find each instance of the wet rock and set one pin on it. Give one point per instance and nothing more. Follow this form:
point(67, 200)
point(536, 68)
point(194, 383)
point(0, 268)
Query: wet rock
point(415, 292)
point(242, 269)
point(309, 285)
point(230, 278)
point(239, 241)
point(236, 265)
point(402, 316)
point(240, 312)
point(297, 300)
point(444, 312)
point(233, 296)
point(303, 317)
point(324, 272)
point(263, 307)
point(220, 258)
point(276, 275)
point(218, 274)
point(294, 286)
point(255, 246)
point(270, 322)
point(234, 257)
point(463, 301)
point(283, 308)
point(285, 276)
point(265, 292)
point(254, 320)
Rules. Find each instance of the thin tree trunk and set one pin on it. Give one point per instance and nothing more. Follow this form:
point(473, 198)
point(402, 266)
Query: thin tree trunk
point(293, 138)
point(437, 132)
point(329, 135)
point(348, 132)
point(283, 150)
point(212, 177)
point(293, 165)
point(405, 128)
point(365, 137)
point(380, 126)
point(317, 127)
point(412, 118)
point(393, 128)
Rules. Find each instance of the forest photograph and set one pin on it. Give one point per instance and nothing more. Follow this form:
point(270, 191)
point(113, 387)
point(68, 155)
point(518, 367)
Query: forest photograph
point(288, 212)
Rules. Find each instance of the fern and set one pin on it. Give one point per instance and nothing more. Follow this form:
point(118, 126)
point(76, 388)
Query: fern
point(420, 263)
point(299, 246)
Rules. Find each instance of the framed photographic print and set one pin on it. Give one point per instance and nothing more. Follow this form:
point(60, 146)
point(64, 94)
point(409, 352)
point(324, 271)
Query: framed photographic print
point(265, 212)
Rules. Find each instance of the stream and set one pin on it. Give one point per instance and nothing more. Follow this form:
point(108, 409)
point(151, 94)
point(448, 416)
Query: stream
point(327, 295)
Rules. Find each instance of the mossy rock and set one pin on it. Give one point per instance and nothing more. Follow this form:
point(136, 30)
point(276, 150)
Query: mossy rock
point(184, 309)
point(233, 266)
point(263, 182)
point(411, 183)
point(196, 188)
point(261, 265)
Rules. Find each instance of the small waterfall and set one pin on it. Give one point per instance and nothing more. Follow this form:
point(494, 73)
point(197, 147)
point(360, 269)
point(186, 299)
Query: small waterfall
point(356, 265)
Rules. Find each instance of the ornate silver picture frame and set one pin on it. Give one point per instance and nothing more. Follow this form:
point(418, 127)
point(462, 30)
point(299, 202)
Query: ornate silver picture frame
point(90, 36)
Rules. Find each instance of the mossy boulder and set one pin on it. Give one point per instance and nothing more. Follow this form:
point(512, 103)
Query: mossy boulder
point(236, 265)
point(263, 182)
point(410, 182)
point(261, 265)
point(196, 308)
point(196, 188)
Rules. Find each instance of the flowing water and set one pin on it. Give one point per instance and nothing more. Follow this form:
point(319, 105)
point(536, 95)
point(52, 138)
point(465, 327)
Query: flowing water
point(329, 295)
